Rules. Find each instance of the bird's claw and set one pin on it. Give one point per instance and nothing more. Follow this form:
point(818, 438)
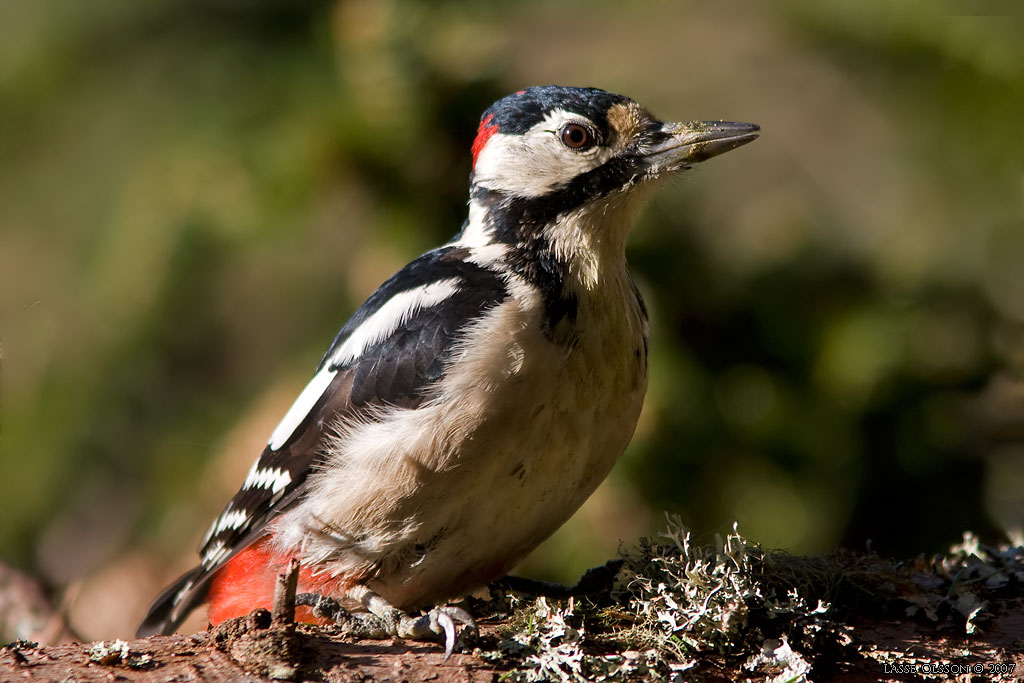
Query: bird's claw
point(439, 621)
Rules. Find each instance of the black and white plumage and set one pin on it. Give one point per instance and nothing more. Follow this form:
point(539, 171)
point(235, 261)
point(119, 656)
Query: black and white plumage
point(478, 397)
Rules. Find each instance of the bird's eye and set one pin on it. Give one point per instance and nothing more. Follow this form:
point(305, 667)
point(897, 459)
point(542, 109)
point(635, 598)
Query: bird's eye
point(575, 136)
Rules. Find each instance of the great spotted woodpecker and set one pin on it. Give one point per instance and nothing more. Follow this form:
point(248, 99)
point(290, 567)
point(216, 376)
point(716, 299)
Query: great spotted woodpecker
point(479, 396)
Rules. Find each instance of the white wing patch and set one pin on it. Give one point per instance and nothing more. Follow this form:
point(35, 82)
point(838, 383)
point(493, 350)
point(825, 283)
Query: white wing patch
point(385, 320)
point(382, 324)
point(303, 404)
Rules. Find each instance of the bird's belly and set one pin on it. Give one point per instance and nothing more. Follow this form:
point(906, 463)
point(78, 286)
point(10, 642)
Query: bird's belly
point(553, 430)
point(525, 476)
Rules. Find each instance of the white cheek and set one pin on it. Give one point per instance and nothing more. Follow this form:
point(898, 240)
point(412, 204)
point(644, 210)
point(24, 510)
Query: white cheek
point(534, 163)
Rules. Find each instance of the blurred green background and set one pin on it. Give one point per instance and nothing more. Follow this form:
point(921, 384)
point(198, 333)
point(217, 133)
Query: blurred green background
point(195, 194)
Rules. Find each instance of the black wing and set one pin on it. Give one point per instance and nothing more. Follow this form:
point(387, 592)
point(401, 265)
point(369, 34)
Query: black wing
point(393, 369)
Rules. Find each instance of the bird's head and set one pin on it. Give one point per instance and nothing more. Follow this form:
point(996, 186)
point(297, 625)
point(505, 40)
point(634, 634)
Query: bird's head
point(548, 139)
point(562, 165)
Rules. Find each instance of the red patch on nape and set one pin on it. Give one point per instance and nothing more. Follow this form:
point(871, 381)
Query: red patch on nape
point(246, 582)
point(483, 134)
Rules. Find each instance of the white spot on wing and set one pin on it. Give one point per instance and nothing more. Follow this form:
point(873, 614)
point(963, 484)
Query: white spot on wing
point(229, 519)
point(214, 554)
point(303, 404)
point(209, 534)
point(273, 478)
point(232, 519)
point(391, 315)
point(180, 595)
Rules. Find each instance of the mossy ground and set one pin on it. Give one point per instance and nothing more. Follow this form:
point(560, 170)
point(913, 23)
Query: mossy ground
point(677, 610)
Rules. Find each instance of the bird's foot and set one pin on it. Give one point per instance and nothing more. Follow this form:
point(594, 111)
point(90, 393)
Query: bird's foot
point(364, 625)
point(385, 621)
point(323, 607)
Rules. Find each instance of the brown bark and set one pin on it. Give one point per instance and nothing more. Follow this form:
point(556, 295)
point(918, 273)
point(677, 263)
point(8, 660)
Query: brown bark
point(250, 649)
point(243, 650)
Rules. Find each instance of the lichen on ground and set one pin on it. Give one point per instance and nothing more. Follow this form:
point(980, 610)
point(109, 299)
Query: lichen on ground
point(682, 611)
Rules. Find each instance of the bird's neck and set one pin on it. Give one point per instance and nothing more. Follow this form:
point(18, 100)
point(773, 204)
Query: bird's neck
point(578, 249)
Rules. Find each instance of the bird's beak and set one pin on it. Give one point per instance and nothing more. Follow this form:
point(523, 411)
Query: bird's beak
point(682, 144)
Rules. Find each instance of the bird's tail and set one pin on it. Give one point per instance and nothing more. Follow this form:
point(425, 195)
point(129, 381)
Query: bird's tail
point(173, 605)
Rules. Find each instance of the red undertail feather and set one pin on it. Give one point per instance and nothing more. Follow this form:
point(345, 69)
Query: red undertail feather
point(246, 582)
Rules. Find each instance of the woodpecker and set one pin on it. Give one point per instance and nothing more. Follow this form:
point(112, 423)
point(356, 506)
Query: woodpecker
point(478, 397)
